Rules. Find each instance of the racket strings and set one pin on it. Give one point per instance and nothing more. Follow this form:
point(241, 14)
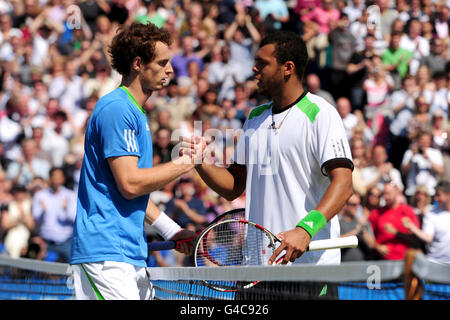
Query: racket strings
point(234, 243)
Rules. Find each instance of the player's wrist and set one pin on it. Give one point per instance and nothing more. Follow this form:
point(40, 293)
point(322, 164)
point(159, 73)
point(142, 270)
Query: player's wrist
point(312, 223)
point(165, 226)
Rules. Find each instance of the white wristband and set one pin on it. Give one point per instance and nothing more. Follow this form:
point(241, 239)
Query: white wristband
point(165, 226)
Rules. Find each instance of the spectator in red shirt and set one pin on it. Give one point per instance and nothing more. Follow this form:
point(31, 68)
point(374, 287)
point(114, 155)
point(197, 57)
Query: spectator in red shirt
point(391, 245)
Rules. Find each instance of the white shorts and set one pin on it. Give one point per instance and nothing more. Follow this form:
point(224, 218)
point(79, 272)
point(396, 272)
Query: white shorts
point(111, 280)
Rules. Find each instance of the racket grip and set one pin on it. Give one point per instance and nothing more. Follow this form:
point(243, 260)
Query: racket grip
point(162, 245)
point(344, 242)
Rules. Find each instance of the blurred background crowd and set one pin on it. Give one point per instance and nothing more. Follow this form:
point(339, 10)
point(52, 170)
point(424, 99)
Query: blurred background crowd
point(382, 63)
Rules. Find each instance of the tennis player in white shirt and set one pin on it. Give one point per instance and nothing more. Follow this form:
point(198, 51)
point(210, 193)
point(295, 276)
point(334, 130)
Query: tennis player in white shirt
point(293, 158)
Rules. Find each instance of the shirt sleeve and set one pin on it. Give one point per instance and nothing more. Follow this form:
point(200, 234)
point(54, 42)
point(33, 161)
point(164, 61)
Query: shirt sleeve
point(118, 129)
point(331, 144)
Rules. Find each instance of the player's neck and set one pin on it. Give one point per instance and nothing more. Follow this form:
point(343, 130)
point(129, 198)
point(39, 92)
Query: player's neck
point(287, 96)
point(135, 88)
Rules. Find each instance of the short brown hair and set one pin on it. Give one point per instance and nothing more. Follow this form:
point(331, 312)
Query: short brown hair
point(136, 40)
point(443, 186)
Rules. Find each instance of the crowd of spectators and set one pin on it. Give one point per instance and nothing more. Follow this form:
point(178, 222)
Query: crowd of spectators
point(382, 63)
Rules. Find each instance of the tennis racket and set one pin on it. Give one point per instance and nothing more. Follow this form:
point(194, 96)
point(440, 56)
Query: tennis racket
point(246, 242)
point(237, 242)
point(230, 240)
point(174, 244)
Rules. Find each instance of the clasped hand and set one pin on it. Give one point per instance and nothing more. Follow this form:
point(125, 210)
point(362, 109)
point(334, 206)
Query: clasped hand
point(192, 149)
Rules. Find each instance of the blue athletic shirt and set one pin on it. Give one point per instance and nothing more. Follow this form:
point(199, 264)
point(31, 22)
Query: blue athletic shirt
point(109, 227)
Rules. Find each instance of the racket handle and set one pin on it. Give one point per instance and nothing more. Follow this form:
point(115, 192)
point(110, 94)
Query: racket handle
point(167, 245)
point(162, 245)
point(344, 242)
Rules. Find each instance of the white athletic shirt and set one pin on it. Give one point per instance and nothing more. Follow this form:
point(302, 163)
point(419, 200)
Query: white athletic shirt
point(285, 178)
point(437, 223)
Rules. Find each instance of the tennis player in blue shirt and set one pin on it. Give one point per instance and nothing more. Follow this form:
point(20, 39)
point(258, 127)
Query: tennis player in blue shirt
point(109, 248)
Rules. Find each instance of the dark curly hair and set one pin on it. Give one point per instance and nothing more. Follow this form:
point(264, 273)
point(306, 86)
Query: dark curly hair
point(136, 40)
point(289, 46)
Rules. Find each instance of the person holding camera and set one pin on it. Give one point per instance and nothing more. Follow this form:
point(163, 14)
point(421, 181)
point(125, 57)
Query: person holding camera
point(358, 69)
point(422, 164)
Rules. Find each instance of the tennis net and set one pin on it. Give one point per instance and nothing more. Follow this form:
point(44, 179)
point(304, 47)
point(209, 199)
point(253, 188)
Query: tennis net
point(28, 279)
point(414, 278)
point(369, 280)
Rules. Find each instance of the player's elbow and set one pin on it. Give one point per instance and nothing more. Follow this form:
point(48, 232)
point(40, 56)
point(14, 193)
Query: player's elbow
point(348, 188)
point(129, 191)
point(235, 192)
point(128, 195)
point(349, 183)
point(230, 196)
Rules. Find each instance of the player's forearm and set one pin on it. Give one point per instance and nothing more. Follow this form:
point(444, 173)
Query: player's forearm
point(148, 180)
point(221, 180)
point(152, 212)
point(133, 181)
point(164, 225)
point(337, 194)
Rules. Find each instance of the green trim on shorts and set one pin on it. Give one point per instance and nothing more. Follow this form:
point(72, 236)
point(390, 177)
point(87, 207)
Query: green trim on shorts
point(324, 291)
point(94, 287)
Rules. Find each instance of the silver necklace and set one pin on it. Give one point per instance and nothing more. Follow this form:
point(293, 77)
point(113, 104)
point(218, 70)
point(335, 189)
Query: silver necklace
point(273, 126)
